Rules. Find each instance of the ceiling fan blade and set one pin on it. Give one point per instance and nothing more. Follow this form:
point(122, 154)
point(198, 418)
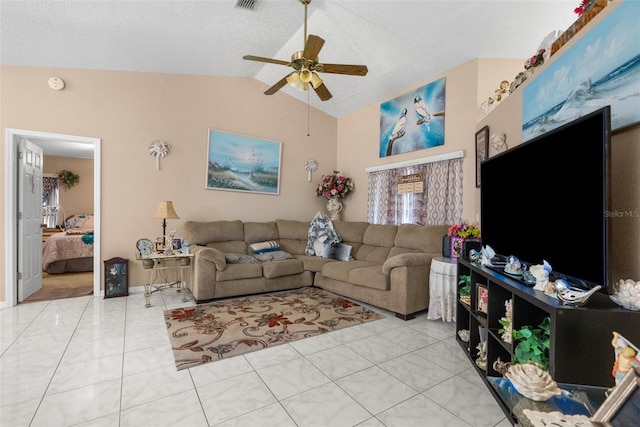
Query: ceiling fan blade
point(276, 87)
point(354, 70)
point(312, 47)
point(322, 92)
point(269, 60)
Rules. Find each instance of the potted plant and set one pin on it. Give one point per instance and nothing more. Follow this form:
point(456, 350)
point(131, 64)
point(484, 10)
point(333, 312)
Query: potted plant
point(465, 290)
point(68, 179)
point(533, 344)
point(460, 233)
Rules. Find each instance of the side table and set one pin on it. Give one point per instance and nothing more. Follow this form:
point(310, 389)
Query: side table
point(157, 264)
point(442, 289)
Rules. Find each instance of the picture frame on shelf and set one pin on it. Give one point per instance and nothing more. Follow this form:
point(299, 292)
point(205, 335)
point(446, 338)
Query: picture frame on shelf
point(621, 406)
point(482, 298)
point(116, 277)
point(176, 243)
point(482, 150)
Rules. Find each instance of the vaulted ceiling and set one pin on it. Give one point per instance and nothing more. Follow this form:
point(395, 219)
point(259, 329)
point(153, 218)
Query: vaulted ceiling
point(402, 42)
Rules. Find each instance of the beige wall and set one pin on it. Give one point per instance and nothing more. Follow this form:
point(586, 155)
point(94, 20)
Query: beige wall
point(127, 111)
point(78, 199)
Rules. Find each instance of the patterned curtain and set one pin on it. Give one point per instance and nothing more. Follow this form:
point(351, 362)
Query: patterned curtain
point(439, 204)
point(49, 187)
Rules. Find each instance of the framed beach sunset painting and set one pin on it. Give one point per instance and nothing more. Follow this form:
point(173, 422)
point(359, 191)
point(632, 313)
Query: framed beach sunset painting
point(243, 163)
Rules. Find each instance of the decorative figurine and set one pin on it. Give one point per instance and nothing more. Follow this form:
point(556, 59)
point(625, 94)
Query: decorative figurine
point(626, 293)
point(541, 273)
point(507, 335)
point(514, 266)
point(626, 357)
point(572, 296)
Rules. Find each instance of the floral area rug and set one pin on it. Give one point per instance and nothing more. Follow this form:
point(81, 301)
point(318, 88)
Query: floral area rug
point(219, 330)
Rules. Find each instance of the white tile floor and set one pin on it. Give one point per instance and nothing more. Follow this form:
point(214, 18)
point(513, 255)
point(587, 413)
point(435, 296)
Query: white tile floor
point(107, 362)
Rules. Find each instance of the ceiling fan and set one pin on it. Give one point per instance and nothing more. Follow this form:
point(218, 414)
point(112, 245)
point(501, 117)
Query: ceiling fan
point(306, 66)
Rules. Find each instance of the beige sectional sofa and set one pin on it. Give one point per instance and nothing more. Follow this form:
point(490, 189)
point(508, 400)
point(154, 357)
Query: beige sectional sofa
point(389, 269)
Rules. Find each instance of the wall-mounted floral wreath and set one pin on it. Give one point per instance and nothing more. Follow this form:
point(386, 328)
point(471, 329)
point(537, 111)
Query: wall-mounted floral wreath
point(68, 179)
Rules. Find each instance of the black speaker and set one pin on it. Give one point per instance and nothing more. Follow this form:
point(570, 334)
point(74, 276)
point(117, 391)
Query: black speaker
point(446, 246)
point(468, 245)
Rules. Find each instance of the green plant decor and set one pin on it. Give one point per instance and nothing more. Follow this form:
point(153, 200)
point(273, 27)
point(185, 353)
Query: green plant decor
point(466, 281)
point(533, 344)
point(68, 179)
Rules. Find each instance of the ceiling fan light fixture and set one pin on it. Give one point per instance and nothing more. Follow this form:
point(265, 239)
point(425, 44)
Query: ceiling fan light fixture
point(293, 79)
point(305, 74)
point(315, 80)
point(304, 86)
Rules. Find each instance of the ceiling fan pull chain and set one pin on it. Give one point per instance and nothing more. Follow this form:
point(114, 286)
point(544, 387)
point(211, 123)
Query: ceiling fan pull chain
point(308, 115)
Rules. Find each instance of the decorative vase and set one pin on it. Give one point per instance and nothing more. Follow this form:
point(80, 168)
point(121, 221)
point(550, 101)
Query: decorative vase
point(334, 207)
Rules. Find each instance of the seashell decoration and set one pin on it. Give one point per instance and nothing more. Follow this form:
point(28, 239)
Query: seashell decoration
point(532, 382)
point(626, 293)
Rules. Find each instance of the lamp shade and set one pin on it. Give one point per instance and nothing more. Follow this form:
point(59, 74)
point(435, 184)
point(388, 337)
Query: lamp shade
point(165, 211)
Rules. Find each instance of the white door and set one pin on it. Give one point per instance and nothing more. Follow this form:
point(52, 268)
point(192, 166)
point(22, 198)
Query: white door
point(29, 219)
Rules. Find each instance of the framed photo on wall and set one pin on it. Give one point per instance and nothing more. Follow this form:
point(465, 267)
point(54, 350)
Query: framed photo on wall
point(482, 150)
point(116, 277)
point(242, 163)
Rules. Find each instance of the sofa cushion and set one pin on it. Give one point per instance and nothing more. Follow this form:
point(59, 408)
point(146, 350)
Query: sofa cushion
point(376, 243)
point(286, 267)
point(351, 231)
point(233, 247)
point(239, 271)
point(370, 277)
point(420, 238)
point(293, 235)
point(339, 270)
point(203, 233)
point(313, 263)
point(255, 232)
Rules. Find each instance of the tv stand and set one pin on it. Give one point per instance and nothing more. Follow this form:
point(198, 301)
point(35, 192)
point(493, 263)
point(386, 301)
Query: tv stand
point(580, 338)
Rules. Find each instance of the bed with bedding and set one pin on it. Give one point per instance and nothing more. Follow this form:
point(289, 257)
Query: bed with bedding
point(72, 249)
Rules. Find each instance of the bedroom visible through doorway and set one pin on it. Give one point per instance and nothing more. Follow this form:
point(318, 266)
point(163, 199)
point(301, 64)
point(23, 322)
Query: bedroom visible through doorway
point(73, 203)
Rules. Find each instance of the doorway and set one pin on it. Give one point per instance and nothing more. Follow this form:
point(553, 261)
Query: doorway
point(13, 136)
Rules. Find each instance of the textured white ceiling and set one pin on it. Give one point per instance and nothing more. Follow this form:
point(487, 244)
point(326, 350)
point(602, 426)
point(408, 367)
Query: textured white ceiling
point(403, 43)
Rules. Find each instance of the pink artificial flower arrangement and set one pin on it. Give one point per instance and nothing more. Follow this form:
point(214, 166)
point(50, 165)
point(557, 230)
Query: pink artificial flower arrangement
point(584, 5)
point(334, 186)
point(465, 230)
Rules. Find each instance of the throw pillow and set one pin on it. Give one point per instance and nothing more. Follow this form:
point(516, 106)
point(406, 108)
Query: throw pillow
point(273, 256)
point(260, 247)
point(239, 259)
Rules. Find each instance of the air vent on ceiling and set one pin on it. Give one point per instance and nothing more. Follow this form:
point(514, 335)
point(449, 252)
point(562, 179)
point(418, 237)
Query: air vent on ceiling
point(246, 4)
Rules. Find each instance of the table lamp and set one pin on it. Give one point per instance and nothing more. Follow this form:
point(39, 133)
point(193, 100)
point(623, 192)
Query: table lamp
point(165, 211)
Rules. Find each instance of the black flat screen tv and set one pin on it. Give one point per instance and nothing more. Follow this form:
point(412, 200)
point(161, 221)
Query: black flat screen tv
point(547, 199)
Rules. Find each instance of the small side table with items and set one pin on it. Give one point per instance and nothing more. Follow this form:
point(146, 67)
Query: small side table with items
point(442, 289)
point(156, 264)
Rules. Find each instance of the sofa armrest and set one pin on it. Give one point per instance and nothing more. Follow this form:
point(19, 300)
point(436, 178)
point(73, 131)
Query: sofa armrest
point(210, 254)
point(407, 260)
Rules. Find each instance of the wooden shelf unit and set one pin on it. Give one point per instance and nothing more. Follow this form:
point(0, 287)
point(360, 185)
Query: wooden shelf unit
point(580, 337)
